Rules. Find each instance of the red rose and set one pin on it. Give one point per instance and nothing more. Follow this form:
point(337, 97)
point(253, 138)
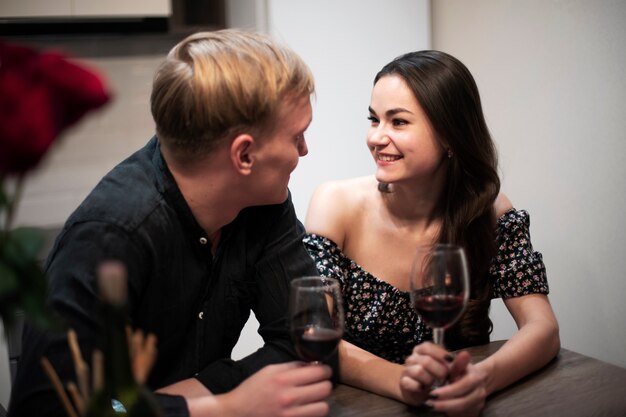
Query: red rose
point(40, 95)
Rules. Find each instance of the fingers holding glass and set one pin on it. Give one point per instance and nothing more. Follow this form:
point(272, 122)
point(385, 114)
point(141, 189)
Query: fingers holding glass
point(426, 370)
point(439, 283)
point(464, 397)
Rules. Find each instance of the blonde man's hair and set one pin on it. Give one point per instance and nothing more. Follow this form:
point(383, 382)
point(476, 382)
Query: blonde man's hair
point(215, 85)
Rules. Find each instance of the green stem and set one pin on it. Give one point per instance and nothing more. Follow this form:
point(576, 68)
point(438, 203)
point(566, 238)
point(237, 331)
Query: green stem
point(4, 199)
point(12, 203)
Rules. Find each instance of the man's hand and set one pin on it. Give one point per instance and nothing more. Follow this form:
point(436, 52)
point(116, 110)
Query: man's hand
point(292, 389)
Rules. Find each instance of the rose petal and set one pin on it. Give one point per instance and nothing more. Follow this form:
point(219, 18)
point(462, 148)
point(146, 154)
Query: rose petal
point(40, 95)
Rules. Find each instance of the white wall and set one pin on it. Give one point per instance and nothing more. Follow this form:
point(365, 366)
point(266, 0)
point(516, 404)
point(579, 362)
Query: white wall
point(552, 79)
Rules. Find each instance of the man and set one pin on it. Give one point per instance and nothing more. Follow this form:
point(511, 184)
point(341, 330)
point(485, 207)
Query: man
point(202, 219)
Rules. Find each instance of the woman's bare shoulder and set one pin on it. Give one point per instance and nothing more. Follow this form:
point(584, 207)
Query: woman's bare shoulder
point(356, 184)
point(501, 205)
point(335, 204)
point(346, 191)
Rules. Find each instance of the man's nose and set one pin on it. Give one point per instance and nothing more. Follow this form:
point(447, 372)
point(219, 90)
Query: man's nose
point(303, 148)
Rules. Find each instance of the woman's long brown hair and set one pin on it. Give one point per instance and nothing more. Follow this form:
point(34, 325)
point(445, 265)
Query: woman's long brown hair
point(447, 92)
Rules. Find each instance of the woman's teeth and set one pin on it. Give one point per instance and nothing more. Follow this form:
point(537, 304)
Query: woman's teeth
point(388, 158)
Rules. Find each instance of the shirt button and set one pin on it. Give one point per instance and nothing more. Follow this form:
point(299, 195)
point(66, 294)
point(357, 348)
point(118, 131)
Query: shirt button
point(203, 240)
point(201, 315)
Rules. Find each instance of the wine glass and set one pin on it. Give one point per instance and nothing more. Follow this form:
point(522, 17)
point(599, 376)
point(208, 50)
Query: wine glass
point(316, 317)
point(439, 285)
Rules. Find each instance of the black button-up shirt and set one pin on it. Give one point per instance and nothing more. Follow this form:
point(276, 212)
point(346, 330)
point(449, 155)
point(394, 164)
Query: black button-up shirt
point(195, 302)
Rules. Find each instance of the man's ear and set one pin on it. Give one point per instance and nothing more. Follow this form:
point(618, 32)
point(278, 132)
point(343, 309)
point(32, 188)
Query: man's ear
point(242, 153)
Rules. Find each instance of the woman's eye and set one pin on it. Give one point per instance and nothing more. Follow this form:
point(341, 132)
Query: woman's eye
point(399, 122)
point(372, 119)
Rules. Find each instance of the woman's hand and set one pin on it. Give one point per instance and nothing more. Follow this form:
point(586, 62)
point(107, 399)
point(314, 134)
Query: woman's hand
point(463, 396)
point(429, 363)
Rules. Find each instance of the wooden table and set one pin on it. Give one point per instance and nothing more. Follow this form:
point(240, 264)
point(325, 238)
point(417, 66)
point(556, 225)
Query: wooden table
point(572, 385)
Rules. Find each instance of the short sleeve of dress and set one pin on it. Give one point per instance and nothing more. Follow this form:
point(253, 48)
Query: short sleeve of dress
point(326, 255)
point(517, 269)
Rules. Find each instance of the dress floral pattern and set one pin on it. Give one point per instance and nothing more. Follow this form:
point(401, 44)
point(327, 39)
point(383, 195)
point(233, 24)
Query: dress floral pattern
point(379, 317)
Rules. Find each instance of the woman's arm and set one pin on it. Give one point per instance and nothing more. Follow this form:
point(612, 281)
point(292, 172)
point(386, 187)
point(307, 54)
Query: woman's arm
point(410, 383)
point(531, 347)
point(534, 344)
point(362, 369)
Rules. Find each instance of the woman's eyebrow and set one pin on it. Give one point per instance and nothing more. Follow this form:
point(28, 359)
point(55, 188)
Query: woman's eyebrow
point(391, 112)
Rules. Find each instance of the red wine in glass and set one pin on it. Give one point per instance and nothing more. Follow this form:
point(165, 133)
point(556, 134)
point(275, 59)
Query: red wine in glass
point(315, 317)
point(439, 283)
point(315, 344)
point(439, 310)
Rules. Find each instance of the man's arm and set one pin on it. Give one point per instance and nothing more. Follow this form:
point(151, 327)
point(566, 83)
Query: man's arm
point(282, 259)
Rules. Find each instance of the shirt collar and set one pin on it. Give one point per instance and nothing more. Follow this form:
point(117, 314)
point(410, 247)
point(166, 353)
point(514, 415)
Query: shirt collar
point(173, 196)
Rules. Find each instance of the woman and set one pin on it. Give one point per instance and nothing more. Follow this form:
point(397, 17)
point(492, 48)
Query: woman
point(436, 181)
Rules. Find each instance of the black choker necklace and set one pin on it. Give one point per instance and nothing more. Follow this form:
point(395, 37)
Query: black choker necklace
point(384, 187)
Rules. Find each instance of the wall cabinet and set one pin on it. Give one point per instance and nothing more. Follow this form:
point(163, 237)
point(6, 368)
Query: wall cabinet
point(35, 8)
point(84, 8)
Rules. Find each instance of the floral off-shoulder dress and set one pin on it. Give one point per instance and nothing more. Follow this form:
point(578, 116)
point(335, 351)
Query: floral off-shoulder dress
point(379, 317)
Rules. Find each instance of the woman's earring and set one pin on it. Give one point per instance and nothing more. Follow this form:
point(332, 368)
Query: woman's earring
point(450, 154)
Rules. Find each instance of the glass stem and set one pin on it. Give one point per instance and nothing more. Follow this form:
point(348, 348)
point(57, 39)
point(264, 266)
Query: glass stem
point(438, 340)
point(438, 336)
